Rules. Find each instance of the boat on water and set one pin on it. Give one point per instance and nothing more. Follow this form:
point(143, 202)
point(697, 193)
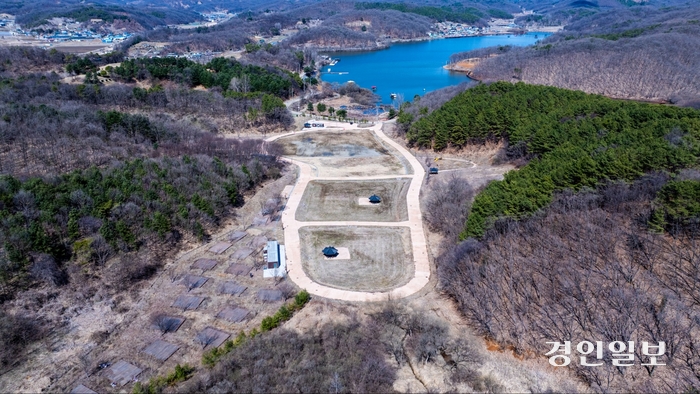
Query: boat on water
point(374, 87)
point(393, 96)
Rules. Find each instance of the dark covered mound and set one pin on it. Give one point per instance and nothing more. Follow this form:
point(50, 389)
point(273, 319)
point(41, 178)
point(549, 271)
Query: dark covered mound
point(330, 251)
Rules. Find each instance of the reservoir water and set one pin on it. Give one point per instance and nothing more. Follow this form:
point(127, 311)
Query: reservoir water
point(413, 68)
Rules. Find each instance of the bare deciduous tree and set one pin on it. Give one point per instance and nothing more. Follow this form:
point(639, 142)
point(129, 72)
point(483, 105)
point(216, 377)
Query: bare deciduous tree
point(101, 250)
point(47, 270)
point(165, 323)
point(206, 338)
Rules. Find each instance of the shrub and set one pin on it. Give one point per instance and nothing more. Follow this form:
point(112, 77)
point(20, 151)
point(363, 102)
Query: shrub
point(158, 383)
point(268, 323)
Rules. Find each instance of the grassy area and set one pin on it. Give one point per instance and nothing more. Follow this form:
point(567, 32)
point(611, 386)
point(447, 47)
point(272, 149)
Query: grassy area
point(380, 257)
point(339, 200)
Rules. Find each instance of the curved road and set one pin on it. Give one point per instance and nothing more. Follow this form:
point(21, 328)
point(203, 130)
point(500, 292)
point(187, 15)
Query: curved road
point(415, 223)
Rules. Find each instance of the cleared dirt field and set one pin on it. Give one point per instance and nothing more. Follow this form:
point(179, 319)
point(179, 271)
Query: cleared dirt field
point(339, 200)
point(380, 257)
point(345, 153)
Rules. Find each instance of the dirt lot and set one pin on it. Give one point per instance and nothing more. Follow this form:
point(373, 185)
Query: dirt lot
point(339, 200)
point(380, 257)
point(345, 153)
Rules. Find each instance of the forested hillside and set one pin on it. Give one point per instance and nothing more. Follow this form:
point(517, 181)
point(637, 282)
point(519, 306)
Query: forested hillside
point(570, 140)
point(639, 53)
point(594, 237)
point(226, 74)
point(35, 13)
point(101, 182)
point(588, 268)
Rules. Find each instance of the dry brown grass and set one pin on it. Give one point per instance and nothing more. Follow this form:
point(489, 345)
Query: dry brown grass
point(345, 153)
point(338, 200)
point(380, 257)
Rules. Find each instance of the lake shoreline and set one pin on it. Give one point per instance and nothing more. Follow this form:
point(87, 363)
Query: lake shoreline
point(386, 44)
point(411, 67)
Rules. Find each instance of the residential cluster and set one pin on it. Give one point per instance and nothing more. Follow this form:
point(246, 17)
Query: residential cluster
point(72, 35)
point(454, 29)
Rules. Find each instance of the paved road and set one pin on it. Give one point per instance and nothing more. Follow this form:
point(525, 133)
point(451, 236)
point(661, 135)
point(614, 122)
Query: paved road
point(414, 223)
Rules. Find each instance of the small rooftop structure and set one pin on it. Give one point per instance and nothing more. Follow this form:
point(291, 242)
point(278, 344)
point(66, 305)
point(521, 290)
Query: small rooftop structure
point(375, 199)
point(274, 260)
point(272, 254)
point(433, 170)
point(330, 251)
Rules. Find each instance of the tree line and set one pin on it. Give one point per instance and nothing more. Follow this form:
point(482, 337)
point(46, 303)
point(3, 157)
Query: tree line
point(227, 74)
point(446, 13)
point(571, 140)
point(356, 356)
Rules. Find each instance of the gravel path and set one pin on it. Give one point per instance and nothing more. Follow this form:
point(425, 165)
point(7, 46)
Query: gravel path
point(415, 224)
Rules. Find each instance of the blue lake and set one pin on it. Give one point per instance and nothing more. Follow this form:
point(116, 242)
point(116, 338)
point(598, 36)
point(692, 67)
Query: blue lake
point(413, 68)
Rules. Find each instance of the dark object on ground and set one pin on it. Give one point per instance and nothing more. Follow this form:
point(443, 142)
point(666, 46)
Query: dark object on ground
point(194, 281)
point(80, 389)
point(330, 251)
point(269, 295)
point(211, 337)
point(122, 373)
point(238, 269)
point(232, 288)
point(204, 264)
point(233, 314)
point(161, 350)
point(186, 302)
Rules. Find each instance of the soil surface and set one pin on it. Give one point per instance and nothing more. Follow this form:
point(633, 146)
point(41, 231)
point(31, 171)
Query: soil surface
point(339, 200)
point(344, 153)
point(380, 257)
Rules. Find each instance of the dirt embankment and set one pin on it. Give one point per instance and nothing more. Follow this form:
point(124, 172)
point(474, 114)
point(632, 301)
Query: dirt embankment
point(465, 66)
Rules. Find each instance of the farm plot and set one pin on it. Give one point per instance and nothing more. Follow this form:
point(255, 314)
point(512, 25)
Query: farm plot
point(345, 153)
point(340, 200)
point(380, 257)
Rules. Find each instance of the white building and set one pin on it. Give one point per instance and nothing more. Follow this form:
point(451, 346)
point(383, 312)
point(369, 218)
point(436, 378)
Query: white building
point(274, 260)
